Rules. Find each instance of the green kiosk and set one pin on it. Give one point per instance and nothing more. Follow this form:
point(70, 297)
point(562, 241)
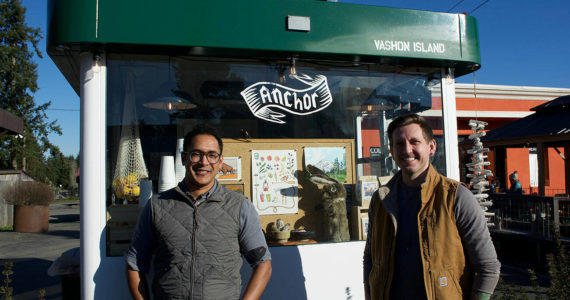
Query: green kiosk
point(287, 84)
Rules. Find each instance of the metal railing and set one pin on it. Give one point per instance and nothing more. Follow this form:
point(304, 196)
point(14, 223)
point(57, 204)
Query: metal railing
point(551, 192)
point(536, 215)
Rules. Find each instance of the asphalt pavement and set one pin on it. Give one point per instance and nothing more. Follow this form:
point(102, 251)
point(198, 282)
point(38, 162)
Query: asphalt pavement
point(33, 253)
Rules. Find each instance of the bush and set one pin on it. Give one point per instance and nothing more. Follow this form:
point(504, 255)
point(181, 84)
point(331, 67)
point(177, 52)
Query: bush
point(29, 193)
point(559, 270)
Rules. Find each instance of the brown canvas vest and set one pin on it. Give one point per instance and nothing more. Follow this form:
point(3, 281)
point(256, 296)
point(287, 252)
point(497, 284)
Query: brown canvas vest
point(444, 267)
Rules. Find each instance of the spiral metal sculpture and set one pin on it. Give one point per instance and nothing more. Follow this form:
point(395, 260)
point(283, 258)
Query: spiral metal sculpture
point(479, 183)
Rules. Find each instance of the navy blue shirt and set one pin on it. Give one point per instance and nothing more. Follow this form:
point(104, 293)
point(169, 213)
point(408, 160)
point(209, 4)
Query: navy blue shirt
point(408, 278)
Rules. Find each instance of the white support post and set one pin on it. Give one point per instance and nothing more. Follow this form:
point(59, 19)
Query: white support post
point(358, 125)
point(449, 123)
point(92, 178)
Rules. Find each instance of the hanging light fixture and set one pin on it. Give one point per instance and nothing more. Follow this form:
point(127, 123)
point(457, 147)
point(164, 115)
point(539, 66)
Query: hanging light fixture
point(376, 103)
point(170, 99)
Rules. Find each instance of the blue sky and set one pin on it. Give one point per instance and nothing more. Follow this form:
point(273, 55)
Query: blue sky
point(522, 42)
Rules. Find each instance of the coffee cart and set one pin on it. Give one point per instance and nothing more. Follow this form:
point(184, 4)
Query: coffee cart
point(286, 83)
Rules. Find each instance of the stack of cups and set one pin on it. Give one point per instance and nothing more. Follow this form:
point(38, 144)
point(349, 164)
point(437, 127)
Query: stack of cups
point(167, 176)
point(178, 165)
point(146, 192)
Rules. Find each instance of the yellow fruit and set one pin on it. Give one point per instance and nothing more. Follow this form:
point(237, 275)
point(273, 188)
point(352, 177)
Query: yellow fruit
point(126, 190)
point(135, 191)
point(119, 192)
point(117, 183)
point(131, 178)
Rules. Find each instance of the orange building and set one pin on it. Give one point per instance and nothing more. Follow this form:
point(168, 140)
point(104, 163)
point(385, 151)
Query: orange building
point(498, 105)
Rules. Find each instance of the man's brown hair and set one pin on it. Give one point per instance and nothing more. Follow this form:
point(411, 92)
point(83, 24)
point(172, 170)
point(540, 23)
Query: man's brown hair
point(405, 120)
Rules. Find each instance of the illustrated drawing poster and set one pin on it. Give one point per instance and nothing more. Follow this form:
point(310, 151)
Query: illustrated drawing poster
point(274, 185)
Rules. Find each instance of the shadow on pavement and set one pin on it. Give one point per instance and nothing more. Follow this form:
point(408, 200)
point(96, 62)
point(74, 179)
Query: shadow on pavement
point(66, 233)
point(30, 276)
point(54, 219)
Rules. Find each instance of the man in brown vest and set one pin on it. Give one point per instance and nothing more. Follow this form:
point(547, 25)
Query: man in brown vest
point(427, 235)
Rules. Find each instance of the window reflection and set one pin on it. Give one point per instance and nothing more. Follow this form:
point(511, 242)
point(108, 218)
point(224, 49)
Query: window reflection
point(170, 95)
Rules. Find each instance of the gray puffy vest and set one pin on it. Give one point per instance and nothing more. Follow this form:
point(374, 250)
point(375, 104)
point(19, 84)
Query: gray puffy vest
point(197, 254)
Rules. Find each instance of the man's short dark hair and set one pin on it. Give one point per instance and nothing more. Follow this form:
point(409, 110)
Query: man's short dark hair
point(202, 129)
point(405, 120)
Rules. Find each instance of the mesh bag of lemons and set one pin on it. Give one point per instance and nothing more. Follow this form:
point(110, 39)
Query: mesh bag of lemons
point(127, 187)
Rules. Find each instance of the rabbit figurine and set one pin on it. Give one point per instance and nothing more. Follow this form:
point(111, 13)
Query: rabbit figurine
point(333, 197)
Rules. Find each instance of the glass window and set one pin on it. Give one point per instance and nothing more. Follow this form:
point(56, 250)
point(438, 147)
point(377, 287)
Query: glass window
point(259, 105)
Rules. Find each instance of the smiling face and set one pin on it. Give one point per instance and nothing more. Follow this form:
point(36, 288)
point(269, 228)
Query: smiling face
point(411, 152)
point(200, 176)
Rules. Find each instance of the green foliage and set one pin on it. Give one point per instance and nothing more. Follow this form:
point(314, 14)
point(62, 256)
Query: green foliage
point(6, 228)
point(559, 271)
point(18, 81)
point(61, 169)
point(508, 291)
point(29, 193)
point(6, 291)
point(42, 294)
point(67, 200)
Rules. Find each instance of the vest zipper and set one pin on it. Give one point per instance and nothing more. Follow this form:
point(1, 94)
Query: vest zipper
point(192, 261)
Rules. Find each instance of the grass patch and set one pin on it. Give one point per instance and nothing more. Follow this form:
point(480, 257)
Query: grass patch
point(67, 200)
point(6, 228)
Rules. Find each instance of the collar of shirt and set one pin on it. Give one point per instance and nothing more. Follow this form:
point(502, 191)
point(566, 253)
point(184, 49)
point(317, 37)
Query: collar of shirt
point(202, 197)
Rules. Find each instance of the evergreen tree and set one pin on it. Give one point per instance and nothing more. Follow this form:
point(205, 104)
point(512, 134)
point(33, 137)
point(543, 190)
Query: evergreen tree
point(61, 170)
point(18, 82)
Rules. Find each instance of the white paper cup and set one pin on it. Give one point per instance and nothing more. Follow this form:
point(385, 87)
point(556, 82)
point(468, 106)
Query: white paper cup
point(167, 176)
point(179, 167)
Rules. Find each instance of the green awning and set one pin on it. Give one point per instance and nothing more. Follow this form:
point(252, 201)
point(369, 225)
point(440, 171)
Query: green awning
point(330, 31)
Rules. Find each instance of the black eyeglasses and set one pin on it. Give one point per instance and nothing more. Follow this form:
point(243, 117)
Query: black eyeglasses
point(196, 156)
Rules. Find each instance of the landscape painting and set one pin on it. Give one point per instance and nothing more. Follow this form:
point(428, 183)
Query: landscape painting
point(331, 160)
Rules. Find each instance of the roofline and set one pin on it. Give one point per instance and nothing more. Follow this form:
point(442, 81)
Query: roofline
point(529, 141)
point(10, 123)
point(492, 91)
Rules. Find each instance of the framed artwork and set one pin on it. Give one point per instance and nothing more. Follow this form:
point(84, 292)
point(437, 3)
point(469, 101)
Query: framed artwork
point(365, 188)
point(274, 185)
point(236, 187)
point(359, 222)
point(364, 221)
point(331, 160)
point(230, 170)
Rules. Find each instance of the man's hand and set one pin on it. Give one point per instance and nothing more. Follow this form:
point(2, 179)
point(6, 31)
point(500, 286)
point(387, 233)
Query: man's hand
point(481, 296)
point(138, 285)
point(258, 281)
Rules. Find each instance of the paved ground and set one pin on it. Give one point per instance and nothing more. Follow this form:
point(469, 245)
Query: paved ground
point(33, 253)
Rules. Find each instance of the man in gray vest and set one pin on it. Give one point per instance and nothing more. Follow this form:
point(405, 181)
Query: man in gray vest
point(198, 232)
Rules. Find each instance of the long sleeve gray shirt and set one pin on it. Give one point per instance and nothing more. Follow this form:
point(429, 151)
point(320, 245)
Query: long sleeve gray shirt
point(472, 226)
point(250, 235)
